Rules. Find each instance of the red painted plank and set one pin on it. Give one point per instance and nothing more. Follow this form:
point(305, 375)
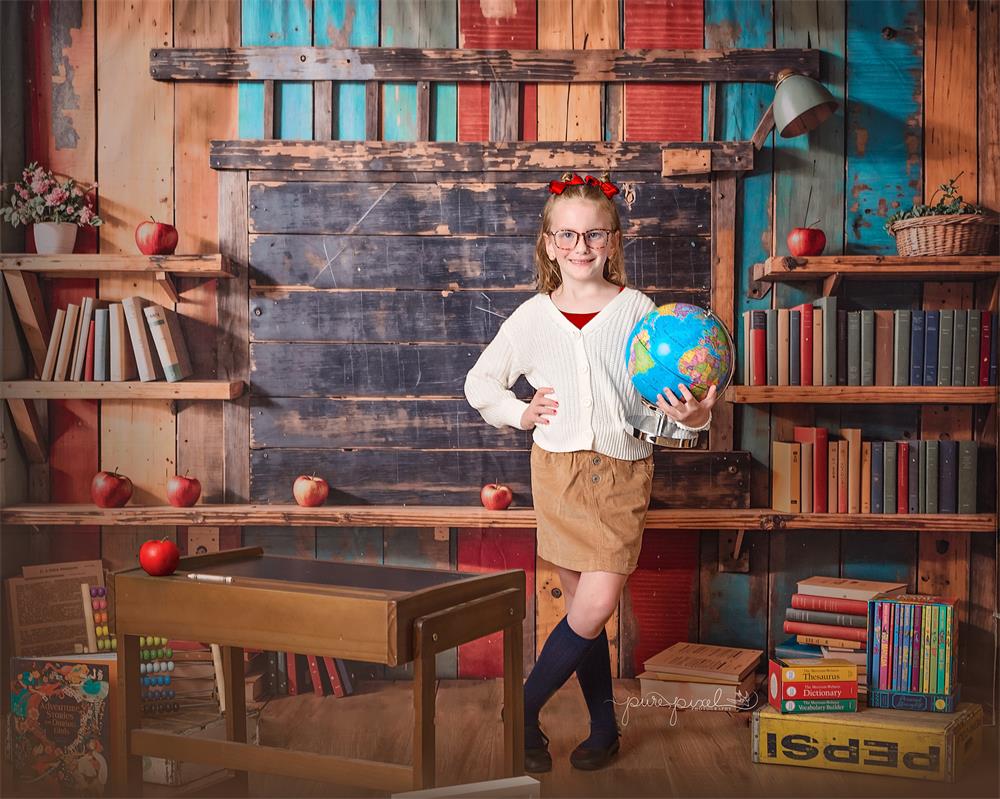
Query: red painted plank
point(489, 550)
point(663, 112)
point(494, 24)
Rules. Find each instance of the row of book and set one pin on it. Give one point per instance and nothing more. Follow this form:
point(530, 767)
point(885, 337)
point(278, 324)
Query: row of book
point(831, 614)
point(914, 638)
point(291, 674)
point(116, 341)
point(814, 474)
point(818, 345)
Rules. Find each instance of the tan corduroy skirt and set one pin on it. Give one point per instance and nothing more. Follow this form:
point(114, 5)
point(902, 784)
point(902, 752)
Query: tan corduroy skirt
point(591, 508)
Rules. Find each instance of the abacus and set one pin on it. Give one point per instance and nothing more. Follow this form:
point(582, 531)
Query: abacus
point(158, 683)
point(97, 615)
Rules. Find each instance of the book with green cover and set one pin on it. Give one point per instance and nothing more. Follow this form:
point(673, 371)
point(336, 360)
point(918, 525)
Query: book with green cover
point(931, 453)
point(921, 476)
point(867, 347)
point(828, 305)
point(854, 348)
point(901, 350)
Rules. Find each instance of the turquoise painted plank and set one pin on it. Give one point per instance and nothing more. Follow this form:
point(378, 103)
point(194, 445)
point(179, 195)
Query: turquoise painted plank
point(273, 23)
point(419, 23)
point(734, 605)
point(884, 107)
point(347, 23)
point(816, 159)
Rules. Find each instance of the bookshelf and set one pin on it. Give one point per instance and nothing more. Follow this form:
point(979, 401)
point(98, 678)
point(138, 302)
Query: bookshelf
point(22, 272)
point(658, 519)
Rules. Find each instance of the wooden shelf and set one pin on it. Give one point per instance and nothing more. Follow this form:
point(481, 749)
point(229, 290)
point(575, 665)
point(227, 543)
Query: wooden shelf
point(749, 519)
point(128, 389)
point(947, 395)
point(95, 265)
point(833, 268)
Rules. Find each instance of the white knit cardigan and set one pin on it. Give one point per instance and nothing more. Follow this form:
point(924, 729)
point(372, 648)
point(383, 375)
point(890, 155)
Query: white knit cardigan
point(586, 368)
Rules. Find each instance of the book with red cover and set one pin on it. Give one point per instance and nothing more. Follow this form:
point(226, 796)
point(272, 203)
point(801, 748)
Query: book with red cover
point(828, 630)
point(806, 343)
point(758, 348)
point(292, 666)
point(333, 674)
point(985, 336)
point(902, 477)
point(317, 682)
point(843, 474)
point(88, 363)
point(855, 607)
point(819, 438)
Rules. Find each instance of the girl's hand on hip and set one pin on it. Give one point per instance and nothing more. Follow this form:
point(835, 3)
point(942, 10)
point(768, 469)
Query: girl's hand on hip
point(539, 407)
point(688, 411)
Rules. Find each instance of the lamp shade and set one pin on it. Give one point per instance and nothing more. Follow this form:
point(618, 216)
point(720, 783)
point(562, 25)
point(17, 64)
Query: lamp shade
point(800, 105)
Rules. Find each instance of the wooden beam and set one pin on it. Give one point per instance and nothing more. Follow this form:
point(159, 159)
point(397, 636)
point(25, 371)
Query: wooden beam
point(838, 395)
point(438, 157)
point(525, 66)
point(80, 265)
point(124, 389)
point(30, 309)
point(29, 428)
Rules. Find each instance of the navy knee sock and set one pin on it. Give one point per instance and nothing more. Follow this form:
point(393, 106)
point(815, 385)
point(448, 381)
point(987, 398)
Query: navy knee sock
point(561, 654)
point(594, 673)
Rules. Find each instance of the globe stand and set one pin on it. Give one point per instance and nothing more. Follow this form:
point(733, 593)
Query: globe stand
point(654, 430)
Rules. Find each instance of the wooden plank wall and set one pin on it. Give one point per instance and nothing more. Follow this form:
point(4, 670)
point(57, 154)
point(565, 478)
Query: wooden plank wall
point(910, 69)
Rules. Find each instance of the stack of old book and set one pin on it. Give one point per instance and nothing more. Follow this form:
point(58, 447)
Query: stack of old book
point(701, 676)
point(828, 617)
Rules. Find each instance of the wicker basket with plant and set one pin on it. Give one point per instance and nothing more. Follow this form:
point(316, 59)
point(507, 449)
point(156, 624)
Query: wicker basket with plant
point(950, 226)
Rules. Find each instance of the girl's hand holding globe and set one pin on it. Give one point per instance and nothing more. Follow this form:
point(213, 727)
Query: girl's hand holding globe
point(690, 412)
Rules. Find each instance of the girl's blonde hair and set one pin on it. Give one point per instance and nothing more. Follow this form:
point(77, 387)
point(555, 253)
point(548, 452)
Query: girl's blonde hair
point(548, 276)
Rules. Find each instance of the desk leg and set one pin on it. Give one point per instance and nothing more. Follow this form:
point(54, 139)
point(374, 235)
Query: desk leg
point(513, 701)
point(127, 768)
point(424, 683)
point(236, 709)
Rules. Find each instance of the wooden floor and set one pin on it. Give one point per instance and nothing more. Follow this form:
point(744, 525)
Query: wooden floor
point(704, 754)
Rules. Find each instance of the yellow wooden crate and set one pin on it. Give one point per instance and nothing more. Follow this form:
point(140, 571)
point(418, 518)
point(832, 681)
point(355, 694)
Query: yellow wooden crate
point(897, 743)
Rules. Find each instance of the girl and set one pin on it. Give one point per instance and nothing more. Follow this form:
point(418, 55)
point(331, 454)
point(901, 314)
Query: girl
point(590, 478)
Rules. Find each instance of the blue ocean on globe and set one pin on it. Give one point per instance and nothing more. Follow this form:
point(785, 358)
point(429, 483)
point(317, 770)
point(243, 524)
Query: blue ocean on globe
point(679, 343)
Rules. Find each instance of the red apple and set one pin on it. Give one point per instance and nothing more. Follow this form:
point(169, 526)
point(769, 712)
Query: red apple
point(495, 496)
point(183, 491)
point(159, 558)
point(156, 238)
point(803, 241)
point(110, 489)
point(310, 490)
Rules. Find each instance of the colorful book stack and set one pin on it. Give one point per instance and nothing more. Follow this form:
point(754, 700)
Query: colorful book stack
point(805, 685)
point(817, 474)
point(818, 344)
point(118, 341)
point(828, 617)
point(701, 676)
point(911, 659)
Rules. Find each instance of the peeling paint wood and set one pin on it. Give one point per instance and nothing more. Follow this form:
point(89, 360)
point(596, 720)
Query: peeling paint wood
point(347, 23)
point(884, 147)
point(504, 110)
point(693, 479)
point(449, 263)
point(425, 161)
point(382, 422)
point(470, 317)
point(391, 63)
point(659, 209)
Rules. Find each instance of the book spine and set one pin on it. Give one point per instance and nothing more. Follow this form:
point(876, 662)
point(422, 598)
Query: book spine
point(282, 674)
point(843, 476)
point(88, 361)
point(820, 706)
point(345, 676)
point(758, 348)
point(916, 347)
point(821, 617)
point(812, 690)
point(795, 347)
point(932, 476)
point(828, 308)
point(828, 641)
point(942, 647)
point(902, 477)
point(806, 345)
point(986, 333)
point(972, 348)
point(334, 675)
point(817, 346)
point(66, 342)
point(49, 368)
point(841, 347)
point(913, 476)
point(746, 348)
point(292, 670)
point(139, 337)
point(874, 652)
point(829, 604)
point(101, 344)
point(883, 347)
point(897, 644)
point(918, 620)
point(901, 348)
point(925, 645)
point(785, 476)
point(83, 328)
point(783, 343)
point(994, 338)
point(854, 348)
point(907, 643)
point(162, 340)
point(827, 630)
point(948, 476)
point(806, 458)
point(885, 610)
point(867, 347)
point(878, 463)
point(949, 649)
point(889, 477)
point(959, 338)
point(946, 331)
point(771, 345)
point(317, 682)
point(832, 476)
point(968, 456)
point(932, 320)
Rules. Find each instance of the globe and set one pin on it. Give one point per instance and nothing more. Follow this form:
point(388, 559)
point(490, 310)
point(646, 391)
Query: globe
point(679, 343)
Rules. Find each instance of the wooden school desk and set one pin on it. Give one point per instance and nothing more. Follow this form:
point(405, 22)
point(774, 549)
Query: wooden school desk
point(356, 611)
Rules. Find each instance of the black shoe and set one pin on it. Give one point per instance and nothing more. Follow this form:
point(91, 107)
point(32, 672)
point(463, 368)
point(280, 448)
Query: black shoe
point(537, 759)
point(593, 759)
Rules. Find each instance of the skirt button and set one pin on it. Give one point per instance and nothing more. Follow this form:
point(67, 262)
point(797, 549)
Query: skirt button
point(595, 478)
point(597, 460)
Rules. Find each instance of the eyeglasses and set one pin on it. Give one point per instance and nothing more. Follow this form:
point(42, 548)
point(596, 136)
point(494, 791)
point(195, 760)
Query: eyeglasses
point(594, 239)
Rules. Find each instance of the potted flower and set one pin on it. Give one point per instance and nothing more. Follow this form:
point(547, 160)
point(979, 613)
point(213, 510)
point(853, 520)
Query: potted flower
point(950, 226)
point(55, 208)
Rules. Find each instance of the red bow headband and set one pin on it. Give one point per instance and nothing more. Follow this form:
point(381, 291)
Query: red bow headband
point(559, 186)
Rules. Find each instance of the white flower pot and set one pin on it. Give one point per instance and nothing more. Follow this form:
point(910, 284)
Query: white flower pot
point(54, 237)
